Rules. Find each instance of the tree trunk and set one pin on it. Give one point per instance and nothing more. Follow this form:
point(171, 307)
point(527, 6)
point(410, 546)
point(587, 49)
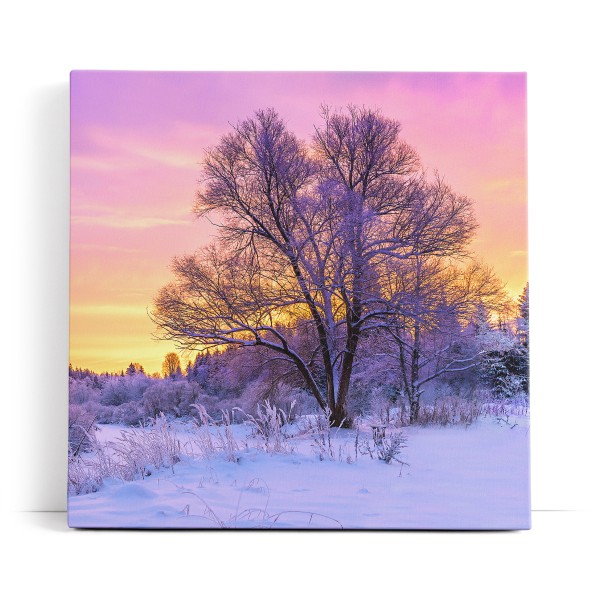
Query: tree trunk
point(414, 409)
point(413, 392)
point(339, 416)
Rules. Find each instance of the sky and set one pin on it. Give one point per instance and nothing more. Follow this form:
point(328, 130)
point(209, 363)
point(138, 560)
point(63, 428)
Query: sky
point(137, 142)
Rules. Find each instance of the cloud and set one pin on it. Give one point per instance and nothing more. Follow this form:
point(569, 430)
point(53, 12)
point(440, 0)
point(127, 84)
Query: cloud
point(112, 310)
point(105, 248)
point(177, 146)
point(126, 222)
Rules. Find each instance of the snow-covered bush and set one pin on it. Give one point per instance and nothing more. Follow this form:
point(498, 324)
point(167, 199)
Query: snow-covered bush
point(138, 384)
point(245, 399)
point(104, 414)
point(83, 476)
point(82, 391)
point(115, 391)
point(213, 407)
point(293, 401)
point(81, 428)
point(387, 449)
point(130, 413)
point(168, 396)
point(491, 406)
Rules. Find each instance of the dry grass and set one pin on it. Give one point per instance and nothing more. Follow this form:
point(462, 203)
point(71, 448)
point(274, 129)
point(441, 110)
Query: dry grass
point(210, 438)
point(134, 455)
point(268, 427)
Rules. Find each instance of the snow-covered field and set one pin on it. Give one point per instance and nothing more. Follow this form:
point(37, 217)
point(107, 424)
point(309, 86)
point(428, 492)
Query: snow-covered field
point(456, 478)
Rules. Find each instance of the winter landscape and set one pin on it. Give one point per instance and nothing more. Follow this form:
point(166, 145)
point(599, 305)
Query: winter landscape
point(340, 339)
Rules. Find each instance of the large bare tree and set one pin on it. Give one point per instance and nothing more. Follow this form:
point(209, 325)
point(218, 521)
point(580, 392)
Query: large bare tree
point(306, 233)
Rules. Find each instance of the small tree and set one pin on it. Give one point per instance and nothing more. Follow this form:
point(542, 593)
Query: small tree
point(134, 369)
point(523, 318)
point(433, 333)
point(523, 335)
point(171, 366)
point(506, 370)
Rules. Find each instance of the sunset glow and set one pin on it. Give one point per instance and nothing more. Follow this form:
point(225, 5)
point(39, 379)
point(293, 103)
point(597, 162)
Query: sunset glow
point(137, 141)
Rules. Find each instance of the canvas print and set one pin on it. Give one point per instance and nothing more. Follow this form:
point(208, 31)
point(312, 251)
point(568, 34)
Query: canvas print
point(298, 301)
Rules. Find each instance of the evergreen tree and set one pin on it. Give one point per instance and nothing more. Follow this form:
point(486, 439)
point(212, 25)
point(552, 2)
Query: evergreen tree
point(506, 371)
point(523, 319)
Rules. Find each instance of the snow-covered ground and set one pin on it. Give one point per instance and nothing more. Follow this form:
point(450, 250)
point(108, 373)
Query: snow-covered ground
point(456, 478)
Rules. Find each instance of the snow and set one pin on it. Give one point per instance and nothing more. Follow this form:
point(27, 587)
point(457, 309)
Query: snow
point(456, 478)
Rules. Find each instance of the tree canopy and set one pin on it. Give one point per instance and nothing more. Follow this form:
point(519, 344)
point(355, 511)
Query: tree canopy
point(321, 242)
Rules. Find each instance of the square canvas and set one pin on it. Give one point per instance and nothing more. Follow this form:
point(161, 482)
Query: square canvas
point(299, 301)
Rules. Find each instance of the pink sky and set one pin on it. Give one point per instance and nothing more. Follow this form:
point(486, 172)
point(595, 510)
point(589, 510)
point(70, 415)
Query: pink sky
point(137, 139)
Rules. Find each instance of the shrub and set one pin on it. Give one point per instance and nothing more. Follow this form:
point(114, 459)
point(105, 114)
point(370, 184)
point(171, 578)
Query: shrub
point(130, 413)
point(115, 392)
point(83, 476)
point(81, 429)
point(82, 391)
point(105, 414)
point(387, 449)
point(167, 396)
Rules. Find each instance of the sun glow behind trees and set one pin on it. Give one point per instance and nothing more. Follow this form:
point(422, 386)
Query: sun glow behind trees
point(138, 139)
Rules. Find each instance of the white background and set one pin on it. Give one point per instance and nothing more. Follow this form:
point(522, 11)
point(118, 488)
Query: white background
point(556, 43)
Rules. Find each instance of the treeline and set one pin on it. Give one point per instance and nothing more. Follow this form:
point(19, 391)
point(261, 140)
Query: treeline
point(492, 366)
point(219, 381)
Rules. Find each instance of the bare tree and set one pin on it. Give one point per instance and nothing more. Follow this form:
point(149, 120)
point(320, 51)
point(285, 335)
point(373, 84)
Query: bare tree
point(306, 232)
point(433, 334)
point(171, 365)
